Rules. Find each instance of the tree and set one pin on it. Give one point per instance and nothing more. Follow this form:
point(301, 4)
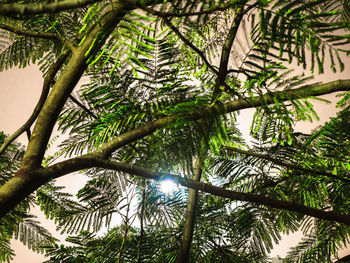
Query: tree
point(166, 81)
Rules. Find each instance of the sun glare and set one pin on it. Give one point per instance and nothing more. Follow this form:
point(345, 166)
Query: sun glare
point(167, 186)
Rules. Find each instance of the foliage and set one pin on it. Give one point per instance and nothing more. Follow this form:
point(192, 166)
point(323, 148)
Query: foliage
point(166, 60)
point(19, 224)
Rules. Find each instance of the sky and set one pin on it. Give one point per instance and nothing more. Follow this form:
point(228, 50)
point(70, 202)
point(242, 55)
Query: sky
point(20, 89)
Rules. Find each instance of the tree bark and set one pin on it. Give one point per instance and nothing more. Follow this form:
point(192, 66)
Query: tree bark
point(65, 85)
point(226, 51)
point(139, 246)
point(190, 217)
point(239, 104)
point(41, 8)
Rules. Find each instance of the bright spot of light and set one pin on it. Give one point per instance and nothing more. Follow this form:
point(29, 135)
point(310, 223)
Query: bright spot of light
point(167, 186)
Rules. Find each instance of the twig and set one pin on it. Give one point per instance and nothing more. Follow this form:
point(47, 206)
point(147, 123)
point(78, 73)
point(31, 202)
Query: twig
point(82, 106)
point(188, 43)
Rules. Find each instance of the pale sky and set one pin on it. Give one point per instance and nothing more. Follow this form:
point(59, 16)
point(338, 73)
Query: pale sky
point(20, 89)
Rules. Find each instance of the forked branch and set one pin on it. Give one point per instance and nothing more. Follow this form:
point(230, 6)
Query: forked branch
point(44, 93)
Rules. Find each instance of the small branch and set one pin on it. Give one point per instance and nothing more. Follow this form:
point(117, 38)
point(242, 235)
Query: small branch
point(126, 231)
point(287, 165)
point(90, 160)
point(28, 133)
point(189, 43)
point(29, 33)
point(42, 8)
point(249, 8)
point(231, 36)
point(45, 91)
point(44, 35)
point(199, 13)
point(82, 106)
point(226, 51)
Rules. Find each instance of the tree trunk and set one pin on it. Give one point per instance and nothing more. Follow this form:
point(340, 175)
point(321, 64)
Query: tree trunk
point(185, 248)
point(139, 248)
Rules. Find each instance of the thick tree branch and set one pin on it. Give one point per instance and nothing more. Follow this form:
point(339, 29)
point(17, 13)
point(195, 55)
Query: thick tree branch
point(44, 35)
point(45, 91)
point(42, 8)
point(90, 160)
point(27, 179)
point(240, 104)
point(231, 36)
point(287, 165)
point(66, 83)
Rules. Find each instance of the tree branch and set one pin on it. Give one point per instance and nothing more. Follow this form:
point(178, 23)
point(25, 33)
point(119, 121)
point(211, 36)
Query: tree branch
point(82, 106)
point(287, 165)
point(89, 161)
point(44, 35)
point(141, 217)
point(226, 51)
point(240, 104)
point(42, 8)
point(29, 179)
point(66, 82)
point(44, 93)
point(190, 216)
point(199, 13)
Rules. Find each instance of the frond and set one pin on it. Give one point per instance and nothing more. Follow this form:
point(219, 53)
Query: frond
point(33, 235)
point(6, 252)
point(297, 25)
point(164, 210)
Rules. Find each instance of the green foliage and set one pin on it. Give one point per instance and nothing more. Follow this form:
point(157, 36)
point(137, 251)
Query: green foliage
point(296, 25)
point(19, 224)
point(140, 76)
point(143, 71)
